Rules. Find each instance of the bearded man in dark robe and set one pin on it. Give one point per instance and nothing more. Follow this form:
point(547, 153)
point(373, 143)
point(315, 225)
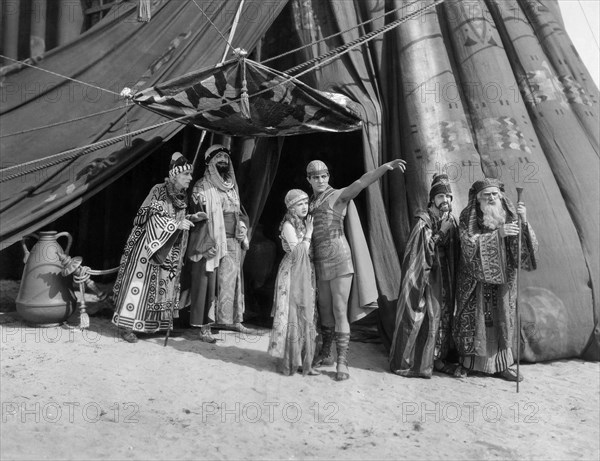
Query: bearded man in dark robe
point(423, 336)
point(484, 322)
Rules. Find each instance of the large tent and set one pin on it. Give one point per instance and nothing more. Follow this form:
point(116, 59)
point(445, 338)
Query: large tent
point(468, 87)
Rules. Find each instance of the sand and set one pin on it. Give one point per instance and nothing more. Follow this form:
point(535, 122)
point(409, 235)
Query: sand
point(73, 394)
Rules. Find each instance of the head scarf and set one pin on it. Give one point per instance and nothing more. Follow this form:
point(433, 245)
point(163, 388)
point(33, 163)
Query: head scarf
point(213, 150)
point(471, 217)
point(484, 183)
point(213, 175)
point(178, 165)
point(294, 196)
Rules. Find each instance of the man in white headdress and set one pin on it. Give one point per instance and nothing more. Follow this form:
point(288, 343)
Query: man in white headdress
point(216, 275)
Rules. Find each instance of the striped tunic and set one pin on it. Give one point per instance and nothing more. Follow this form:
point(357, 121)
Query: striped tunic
point(332, 256)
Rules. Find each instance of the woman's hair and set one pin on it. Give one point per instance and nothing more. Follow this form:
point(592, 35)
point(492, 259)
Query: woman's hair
point(295, 221)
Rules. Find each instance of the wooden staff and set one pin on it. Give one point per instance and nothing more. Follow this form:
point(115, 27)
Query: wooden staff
point(171, 326)
point(519, 221)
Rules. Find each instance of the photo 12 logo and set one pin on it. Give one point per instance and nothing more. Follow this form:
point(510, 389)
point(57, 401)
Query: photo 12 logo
point(252, 412)
point(469, 412)
point(72, 412)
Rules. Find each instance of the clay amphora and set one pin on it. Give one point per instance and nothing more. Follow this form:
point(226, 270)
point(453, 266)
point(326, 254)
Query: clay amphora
point(45, 298)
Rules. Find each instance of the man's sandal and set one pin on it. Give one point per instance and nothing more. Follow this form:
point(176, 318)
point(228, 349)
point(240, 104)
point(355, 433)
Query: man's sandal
point(510, 374)
point(207, 338)
point(342, 373)
point(129, 336)
point(460, 372)
point(311, 371)
point(446, 368)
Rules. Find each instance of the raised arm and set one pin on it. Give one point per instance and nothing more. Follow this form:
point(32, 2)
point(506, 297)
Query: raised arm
point(348, 193)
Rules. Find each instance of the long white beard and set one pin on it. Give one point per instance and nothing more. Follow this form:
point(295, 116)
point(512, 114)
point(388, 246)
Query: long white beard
point(493, 215)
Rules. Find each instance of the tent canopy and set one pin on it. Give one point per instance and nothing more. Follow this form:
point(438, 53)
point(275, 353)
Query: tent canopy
point(244, 98)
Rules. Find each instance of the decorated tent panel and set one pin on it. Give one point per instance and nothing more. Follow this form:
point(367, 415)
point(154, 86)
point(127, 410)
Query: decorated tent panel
point(244, 98)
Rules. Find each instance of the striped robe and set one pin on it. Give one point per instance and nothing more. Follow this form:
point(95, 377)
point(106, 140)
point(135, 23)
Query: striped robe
point(426, 302)
point(146, 293)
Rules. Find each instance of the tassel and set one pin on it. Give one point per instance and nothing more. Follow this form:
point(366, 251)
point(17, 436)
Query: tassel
point(144, 11)
point(127, 139)
point(244, 101)
point(84, 320)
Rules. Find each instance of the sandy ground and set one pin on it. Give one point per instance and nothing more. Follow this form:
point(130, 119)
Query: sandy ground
point(73, 394)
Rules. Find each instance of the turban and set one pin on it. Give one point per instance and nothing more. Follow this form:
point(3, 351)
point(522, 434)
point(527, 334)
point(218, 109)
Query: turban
point(316, 167)
point(178, 165)
point(439, 185)
point(294, 196)
point(213, 150)
point(484, 183)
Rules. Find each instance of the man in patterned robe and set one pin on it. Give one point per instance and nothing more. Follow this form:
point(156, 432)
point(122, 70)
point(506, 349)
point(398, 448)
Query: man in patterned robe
point(484, 321)
point(422, 336)
point(146, 292)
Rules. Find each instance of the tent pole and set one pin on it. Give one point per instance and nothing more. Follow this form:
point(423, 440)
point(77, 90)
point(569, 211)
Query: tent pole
point(232, 32)
point(518, 322)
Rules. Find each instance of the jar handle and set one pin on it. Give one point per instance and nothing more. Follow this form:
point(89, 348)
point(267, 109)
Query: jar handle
point(25, 249)
point(69, 240)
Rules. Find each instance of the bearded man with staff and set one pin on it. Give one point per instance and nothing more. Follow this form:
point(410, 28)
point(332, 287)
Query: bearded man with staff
point(486, 293)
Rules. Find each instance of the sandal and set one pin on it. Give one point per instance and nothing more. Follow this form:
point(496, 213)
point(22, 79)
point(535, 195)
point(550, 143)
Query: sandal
point(311, 371)
point(460, 372)
point(510, 374)
point(206, 336)
point(239, 327)
point(446, 368)
point(129, 336)
point(342, 373)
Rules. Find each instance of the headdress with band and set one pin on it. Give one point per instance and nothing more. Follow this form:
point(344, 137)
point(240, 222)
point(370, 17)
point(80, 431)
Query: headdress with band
point(213, 150)
point(478, 186)
point(295, 196)
point(178, 165)
point(440, 184)
point(316, 167)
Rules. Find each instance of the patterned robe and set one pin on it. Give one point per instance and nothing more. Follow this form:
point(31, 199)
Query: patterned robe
point(426, 303)
point(484, 321)
point(146, 293)
point(294, 321)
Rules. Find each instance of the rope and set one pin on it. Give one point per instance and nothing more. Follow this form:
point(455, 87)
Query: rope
point(213, 24)
point(52, 125)
point(341, 50)
point(588, 23)
point(330, 56)
point(329, 37)
point(74, 153)
point(59, 75)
